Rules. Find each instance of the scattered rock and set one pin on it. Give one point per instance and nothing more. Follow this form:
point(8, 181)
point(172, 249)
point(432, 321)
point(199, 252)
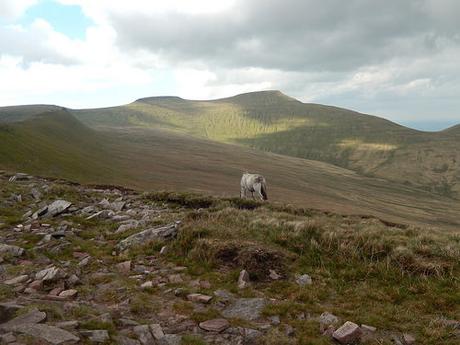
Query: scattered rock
point(56, 208)
point(156, 331)
point(348, 333)
point(367, 328)
point(243, 280)
point(165, 232)
point(17, 280)
point(175, 278)
point(164, 250)
point(48, 274)
point(124, 267)
point(68, 293)
point(273, 275)
point(32, 317)
point(122, 340)
point(327, 319)
point(215, 325)
point(144, 335)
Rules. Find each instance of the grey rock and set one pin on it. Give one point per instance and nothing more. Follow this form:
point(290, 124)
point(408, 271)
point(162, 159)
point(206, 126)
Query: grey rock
point(348, 333)
point(17, 280)
point(6, 249)
point(48, 274)
point(8, 310)
point(408, 339)
point(96, 336)
point(122, 340)
point(165, 232)
point(7, 338)
point(327, 319)
point(118, 206)
point(57, 207)
point(32, 317)
point(170, 339)
point(40, 212)
point(215, 325)
point(245, 308)
point(37, 195)
point(68, 325)
point(156, 331)
point(243, 279)
point(50, 334)
point(144, 335)
point(303, 280)
point(125, 227)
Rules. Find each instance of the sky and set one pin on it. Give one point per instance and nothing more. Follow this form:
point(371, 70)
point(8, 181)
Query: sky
point(395, 59)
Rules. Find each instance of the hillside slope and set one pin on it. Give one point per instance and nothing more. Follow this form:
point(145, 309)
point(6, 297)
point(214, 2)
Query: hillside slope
point(53, 143)
point(274, 122)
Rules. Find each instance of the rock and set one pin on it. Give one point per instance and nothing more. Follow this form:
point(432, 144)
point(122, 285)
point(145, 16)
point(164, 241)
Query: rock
point(164, 250)
point(118, 205)
point(147, 285)
point(215, 325)
point(69, 325)
point(8, 310)
point(68, 293)
point(327, 319)
point(124, 267)
point(245, 308)
point(7, 338)
point(32, 317)
point(126, 227)
point(289, 330)
point(348, 333)
point(127, 322)
point(6, 249)
point(104, 214)
point(27, 214)
point(197, 297)
point(122, 340)
point(243, 280)
point(165, 232)
point(36, 285)
point(368, 329)
point(273, 275)
point(175, 278)
point(16, 280)
point(37, 195)
point(96, 336)
point(303, 280)
point(144, 335)
point(171, 339)
point(156, 331)
point(54, 209)
point(48, 274)
point(20, 177)
point(408, 339)
point(275, 320)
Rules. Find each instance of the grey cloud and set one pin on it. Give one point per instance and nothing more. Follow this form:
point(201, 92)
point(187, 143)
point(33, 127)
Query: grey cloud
point(294, 35)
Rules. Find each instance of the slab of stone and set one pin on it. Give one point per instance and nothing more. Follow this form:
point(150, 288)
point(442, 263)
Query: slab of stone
point(124, 267)
point(17, 280)
point(51, 334)
point(162, 233)
point(48, 274)
point(408, 339)
point(71, 293)
point(243, 279)
point(32, 317)
point(348, 333)
point(156, 331)
point(197, 297)
point(123, 340)
point(144, 335)
point(8, 310)
point(245, 308)
point(215, 325)
point(6, 249)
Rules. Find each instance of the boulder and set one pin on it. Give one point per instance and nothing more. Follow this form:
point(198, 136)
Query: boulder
point(303, 280)
point(48, 274)
point(51, 334)
point(197, 297)
point(144, 335)
point(32, 317)
point(17, 280)
point(143, 237)
point(98, 336)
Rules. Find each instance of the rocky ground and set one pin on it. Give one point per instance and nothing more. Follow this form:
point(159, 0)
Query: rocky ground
point(99, 264)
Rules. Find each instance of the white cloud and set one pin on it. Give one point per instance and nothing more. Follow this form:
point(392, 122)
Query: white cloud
point(14, 8)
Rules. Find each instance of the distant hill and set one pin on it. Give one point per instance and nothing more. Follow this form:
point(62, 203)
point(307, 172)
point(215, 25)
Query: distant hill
point(52, 143)
point(274, 122)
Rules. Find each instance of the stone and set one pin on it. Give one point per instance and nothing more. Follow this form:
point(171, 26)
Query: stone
point(37, 195)
point(68, 325)
point(275, 320)
point(367, 328)
point(197, 297)
point(124, 267)
point(289, 330)
point(32, 317)
point(36, 285)
point(147, 285)
point(175, 278)
point(156, 331)
point(127, 322)
point(7, 338)
point(215, 325)
point(96, 336)
point(118, 205)
point(6, 249)
point(164, 250)
point(73, 280)
point(243, 280)
point(56, 208)
point(303, 280)
point(8, 310)
point(245, 308)
point(273, 275)
point(68, 293)
point(408, 339)
point(123, 340)
point(327, 319)
point(162, 233)
point(17, 280)
point(144, 335)
point(348, 333)
point(126, 227)
point(171, 339)
point(48, 274)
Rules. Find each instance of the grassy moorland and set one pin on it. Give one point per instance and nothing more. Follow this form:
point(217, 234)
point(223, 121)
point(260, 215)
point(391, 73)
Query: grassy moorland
point(274, 122)
point(399, 279)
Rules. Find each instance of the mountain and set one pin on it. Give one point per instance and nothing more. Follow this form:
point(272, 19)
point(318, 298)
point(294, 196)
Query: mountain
point(273, 122)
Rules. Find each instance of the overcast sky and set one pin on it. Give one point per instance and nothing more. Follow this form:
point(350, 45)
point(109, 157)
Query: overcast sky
point(399, 59)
